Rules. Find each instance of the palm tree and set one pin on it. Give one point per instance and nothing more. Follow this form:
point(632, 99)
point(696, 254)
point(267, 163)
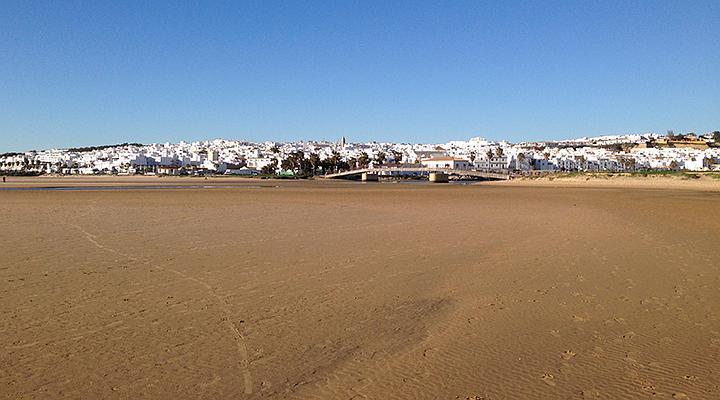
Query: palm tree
point(315, 163)
point(707, 162)
point(380, 158)
point(270, 168)
point(581, 162)
point(520, 160)
point(363, 160)
point(333, 162)
point(352, 163)
point(397, 156)
point(489, 154)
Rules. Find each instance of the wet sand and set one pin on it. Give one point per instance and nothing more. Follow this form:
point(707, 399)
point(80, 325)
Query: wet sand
point(334, 290)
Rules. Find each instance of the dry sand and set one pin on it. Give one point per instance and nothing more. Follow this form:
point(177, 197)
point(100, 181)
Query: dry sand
point(331, 290)
point(703, 181)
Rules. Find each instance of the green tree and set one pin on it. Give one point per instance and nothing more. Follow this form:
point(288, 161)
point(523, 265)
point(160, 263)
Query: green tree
point(315, 163)
point(332, 163)
point(397, 156)
point(269, 169)
point(363, 160)
point(343, 165)
point(707, 162)
point(520, 160)
point(380, 158)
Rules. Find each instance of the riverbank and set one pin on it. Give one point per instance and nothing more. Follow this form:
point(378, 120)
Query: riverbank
point(676, 181)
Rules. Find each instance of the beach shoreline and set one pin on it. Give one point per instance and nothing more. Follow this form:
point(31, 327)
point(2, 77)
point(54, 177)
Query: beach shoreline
point(703, 183)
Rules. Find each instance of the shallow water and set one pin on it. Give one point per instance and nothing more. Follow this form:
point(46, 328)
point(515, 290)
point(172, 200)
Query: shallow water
point(130, 187)
point(158, 187)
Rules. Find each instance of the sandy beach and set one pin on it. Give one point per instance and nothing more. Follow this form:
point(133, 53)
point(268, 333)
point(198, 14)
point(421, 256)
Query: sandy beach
point(339, 290)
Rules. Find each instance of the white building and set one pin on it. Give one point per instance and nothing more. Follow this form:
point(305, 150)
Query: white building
point(446, 162)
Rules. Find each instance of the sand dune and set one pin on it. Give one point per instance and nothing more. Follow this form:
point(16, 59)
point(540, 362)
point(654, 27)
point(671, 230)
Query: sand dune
point(325, 290)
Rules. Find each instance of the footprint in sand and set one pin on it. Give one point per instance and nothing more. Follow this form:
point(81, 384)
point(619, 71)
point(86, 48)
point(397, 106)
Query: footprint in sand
point(590, 394)
point(633, 362)
point(548, 379)
point(555, 332)
point(690, 377)
point(578, 318)
point(629, 335)
point(568, 354)
point(650, 389)
point(680, 396)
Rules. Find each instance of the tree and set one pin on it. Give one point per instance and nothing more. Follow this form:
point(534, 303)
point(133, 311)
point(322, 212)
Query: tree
point(707, 162)
point(397, 156)
point(296, 163)
point(632, 164)
point(332, 163)
point(380, 158)
point(581, 161)
point(363, 160)
point(472, 156)
point(315, 163)
point(499, 151)
point(520, 160)
point(674, 165)
point(343, 166)
point(716, 137)
point(269, 169)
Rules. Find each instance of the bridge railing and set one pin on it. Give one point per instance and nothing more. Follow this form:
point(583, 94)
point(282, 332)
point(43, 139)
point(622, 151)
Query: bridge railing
point(495, 173)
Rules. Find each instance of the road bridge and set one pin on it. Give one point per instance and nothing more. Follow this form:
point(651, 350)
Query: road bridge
point(399, 171)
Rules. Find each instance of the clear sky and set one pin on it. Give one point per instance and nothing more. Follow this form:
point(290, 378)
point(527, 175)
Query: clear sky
point(94, 72)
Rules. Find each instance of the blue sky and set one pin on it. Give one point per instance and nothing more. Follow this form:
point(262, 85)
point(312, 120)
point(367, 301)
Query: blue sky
point(83, 73)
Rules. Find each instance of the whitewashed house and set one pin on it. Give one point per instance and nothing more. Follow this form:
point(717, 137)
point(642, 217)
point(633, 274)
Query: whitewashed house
point(446, 163)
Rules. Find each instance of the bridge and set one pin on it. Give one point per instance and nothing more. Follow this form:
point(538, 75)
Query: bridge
point(397, 171)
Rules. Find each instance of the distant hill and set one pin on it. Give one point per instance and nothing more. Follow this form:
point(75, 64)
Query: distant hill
point(103, 147)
